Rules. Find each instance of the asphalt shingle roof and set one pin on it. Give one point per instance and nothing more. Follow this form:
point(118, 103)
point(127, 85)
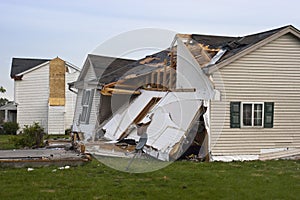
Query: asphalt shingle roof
point(20, 65)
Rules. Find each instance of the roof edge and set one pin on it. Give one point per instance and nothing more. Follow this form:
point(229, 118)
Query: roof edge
point(287, 29)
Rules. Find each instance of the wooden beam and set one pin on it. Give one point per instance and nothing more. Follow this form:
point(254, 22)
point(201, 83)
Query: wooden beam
point(171, 79)
point(205, 54)
point(165, 75)
point(152, 79)
point(147, 81)
point(110, 91)
point(184, 90)
point(158, 79)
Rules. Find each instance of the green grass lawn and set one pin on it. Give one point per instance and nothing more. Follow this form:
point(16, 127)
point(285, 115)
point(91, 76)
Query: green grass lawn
point(180, 180)
point(5, 142)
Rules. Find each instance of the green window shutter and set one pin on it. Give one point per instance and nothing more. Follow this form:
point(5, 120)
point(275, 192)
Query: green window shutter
point(269, 115)
point(235, 114)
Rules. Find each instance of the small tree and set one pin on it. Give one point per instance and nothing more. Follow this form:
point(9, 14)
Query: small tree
point(3, 101)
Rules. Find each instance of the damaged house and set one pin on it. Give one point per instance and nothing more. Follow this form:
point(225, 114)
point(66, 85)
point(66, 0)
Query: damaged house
point(96, 69)
point(41, 92)
point(234, 98)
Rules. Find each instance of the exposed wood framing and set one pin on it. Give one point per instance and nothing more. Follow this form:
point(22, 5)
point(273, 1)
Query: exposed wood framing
point(110, 91)
point(165, 75)
point(152, 79)
point(171, 85)
point(158, 79)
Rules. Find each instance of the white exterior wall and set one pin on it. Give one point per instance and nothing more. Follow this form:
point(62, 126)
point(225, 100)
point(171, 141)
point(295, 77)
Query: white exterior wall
point(269, 74)
point(70, 105)
point(87, 129)
point(31, 95)
point(56, 115)
point(60, 118)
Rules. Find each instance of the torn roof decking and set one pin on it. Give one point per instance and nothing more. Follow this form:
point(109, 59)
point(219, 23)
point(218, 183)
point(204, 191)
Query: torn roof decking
point(137, 74)
point(145, 66)
point(233, 45)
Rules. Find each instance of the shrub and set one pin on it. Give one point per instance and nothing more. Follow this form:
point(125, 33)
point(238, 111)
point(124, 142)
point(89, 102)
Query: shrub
point(32, 136)
point(10, 128)
point(68, 131)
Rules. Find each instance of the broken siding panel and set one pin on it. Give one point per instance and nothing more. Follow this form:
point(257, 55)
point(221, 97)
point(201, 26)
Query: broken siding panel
point(32, 93)
point(269, 74)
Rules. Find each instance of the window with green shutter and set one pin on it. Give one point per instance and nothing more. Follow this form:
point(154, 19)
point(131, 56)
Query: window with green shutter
point(251, 114)
point(235, 114)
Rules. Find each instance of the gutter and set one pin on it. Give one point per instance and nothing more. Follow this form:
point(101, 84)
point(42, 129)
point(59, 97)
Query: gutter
point(70, 85)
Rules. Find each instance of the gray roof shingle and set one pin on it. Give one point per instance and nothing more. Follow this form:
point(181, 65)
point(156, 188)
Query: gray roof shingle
point(20, 65)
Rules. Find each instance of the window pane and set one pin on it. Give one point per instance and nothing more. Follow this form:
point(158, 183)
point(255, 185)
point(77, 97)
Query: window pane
point(86, 98)
point(84, 113)
point(236, 108)
point(258, 114)
point(247, 114)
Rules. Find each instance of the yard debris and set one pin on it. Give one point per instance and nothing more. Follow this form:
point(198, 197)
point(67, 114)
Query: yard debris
point(30, 169)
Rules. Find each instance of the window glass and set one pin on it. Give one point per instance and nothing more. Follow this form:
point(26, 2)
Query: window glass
point(258, 114)
point(247, 114)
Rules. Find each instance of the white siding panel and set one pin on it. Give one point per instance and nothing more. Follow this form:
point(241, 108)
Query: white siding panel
point(70, 99)
point(32, 94)
point(270, 73)
point(87, 129)
point(56, 116)
point(78, 107)
point(90, 75)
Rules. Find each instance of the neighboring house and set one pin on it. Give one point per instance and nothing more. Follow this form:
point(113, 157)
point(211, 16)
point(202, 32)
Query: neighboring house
point(10, 112)
point(41, 93)
point(249, 87)
point(97, 70)
point(257, 114)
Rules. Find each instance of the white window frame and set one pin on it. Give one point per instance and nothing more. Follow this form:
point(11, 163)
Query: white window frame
point(252, 115)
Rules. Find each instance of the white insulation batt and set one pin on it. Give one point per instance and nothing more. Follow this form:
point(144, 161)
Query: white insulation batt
point(171, 118)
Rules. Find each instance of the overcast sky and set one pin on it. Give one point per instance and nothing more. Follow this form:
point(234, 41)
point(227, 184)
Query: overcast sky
point(71, 29)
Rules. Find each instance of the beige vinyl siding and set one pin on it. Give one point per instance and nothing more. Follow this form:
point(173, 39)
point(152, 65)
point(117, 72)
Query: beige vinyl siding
point(32, 93)
point(268, 74)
